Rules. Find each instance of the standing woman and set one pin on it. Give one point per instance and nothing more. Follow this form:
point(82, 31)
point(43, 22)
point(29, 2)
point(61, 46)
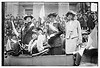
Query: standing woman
point(27, 30)
point(54, 31)
point(73, 33)
point(25, 33)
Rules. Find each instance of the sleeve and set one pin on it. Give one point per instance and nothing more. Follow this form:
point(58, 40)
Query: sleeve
point(40, 43)
point(15, 31)
point(31, 45)
point(53, 28)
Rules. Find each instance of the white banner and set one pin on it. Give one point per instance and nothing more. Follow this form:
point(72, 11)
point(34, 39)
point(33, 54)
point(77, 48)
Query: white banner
point(93, 6)
point(42, 13)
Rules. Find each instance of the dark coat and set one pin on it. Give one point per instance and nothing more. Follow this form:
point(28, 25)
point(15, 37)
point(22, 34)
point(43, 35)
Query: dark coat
point(55, 41)
point(27, 34)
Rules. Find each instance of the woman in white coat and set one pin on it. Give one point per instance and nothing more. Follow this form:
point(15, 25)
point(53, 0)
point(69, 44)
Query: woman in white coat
point(73, 33)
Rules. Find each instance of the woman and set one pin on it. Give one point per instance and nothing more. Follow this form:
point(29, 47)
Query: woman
point(54, 32)
point(39, 42)
point(27, 30)
point(73, 33)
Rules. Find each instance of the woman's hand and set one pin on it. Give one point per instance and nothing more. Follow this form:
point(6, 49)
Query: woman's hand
point(79, 41)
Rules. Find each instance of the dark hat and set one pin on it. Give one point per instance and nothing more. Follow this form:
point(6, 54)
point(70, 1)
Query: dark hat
point(52, 14)
point(70, 13)
point(34, 32)
point(28, 17)
point(39, 29)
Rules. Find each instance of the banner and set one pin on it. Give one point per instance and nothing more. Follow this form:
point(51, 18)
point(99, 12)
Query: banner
point(42, 13)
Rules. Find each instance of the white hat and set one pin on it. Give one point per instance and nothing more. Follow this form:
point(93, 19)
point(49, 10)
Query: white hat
point(73, 12)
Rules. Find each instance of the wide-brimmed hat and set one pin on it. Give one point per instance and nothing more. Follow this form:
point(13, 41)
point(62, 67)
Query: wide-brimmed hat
point(71, 13)
point(52, 14)
point(38, 28)
point(28, 17)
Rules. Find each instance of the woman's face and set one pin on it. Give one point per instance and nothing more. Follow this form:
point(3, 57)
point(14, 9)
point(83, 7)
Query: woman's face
point(52, 19)
point(39, 32)
point(28, 19)
point(69, 17)
point(34, 36)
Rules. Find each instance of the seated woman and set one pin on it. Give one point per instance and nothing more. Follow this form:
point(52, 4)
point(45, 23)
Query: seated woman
point(13, 46)
point(39, 41)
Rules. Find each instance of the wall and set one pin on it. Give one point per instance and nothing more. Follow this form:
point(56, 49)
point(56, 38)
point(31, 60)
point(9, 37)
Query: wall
point(12, 8)
point(36, 10)
point(73, 7)
point(19, 8)
point(63, 8)
point(50, 8)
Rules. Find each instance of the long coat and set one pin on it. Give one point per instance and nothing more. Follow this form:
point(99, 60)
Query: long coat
point(27, 34)
point(73, 35)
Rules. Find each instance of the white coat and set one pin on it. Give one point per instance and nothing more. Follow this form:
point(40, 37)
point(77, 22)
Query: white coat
point(73, 35)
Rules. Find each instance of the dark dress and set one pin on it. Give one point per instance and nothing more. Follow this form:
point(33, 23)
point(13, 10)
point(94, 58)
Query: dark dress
point(55, 41)
point(27, 33)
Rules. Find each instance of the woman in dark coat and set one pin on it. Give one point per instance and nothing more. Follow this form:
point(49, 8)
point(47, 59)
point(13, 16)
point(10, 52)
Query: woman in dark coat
point(27, 31)
point(54, 32)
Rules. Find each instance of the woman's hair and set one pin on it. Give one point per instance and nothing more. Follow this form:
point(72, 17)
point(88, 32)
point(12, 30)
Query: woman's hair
point(70, 13)
point(39, 29)
point(28, 17)
point(52, 15)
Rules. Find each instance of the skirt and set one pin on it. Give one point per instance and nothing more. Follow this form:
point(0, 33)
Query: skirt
point(56, 45)
point(71, 45)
